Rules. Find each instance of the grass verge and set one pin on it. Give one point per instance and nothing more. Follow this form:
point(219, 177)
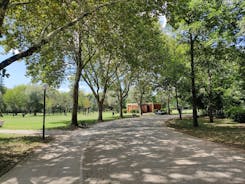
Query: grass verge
point(14, 148)
point(56, 121)
point(221, 131)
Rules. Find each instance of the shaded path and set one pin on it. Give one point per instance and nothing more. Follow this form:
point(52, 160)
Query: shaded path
point(130, 151)
point(58, 163)
point(144, 151)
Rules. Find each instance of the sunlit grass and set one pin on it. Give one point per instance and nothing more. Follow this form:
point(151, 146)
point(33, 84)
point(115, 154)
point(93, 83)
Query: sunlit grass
point(222, 130)
point(184, 111)
point(31, 122)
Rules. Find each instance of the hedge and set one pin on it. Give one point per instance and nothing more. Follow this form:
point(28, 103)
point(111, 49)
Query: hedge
point(237, 114)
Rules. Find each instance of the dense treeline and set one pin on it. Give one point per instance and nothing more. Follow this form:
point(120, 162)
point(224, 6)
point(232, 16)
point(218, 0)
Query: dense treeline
point(29, 99)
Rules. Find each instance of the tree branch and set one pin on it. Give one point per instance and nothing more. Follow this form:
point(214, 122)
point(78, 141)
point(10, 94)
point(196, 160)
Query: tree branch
point(20, 3)
point(37, 46)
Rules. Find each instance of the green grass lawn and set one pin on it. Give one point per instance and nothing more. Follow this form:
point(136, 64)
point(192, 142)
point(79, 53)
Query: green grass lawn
point(30, 122)
point(14, 148)
point(221, 131)
point(184, 111)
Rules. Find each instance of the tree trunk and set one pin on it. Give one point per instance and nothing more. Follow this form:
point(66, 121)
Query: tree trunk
point(120, 99)
point(121, 107)
point(140, 105)
point(168, 104)
point(210, 114)
point(193, 84)
point(210, 98)
point(75, 96)
point(100, 106)
point(140, 109)
point(177, 103)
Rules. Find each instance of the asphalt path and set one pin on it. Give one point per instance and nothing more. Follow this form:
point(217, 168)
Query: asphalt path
point(130, 151)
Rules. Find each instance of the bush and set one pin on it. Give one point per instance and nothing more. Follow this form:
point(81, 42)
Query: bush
point(237, 114)
point(163, 109)
point(125, 111)
point(134, 111)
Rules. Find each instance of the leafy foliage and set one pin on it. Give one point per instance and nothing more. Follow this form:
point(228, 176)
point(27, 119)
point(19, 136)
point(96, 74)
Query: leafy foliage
point(237, 114)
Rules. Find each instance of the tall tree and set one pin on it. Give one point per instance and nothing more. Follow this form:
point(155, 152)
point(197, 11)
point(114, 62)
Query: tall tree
point(142, 88)
point(186, 17)
point(216, 63)
point(124, 80)
point(99, 75)
point(169, 72)
point(199, 21)
point(16, 99)
point(34, 99)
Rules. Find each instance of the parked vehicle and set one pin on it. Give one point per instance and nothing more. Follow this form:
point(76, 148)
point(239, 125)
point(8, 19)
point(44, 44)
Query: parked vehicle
point(160, 112)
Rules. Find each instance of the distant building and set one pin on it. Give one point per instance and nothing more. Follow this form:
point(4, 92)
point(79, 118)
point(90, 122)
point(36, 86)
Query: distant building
point(146, 107)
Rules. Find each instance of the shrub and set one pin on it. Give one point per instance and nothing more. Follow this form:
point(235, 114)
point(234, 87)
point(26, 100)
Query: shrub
point(125, 111)
point(134, 111)
point(163, 109)
point(237, 114)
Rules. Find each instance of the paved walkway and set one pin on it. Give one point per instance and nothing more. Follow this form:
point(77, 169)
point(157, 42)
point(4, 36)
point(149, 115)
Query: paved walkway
point(135, 151)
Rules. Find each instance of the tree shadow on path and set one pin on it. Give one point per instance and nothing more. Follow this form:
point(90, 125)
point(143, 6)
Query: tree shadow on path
point(58, 163)
point(144, 151)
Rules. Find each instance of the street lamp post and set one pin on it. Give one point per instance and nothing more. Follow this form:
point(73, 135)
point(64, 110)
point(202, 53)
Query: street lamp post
point(45, 86)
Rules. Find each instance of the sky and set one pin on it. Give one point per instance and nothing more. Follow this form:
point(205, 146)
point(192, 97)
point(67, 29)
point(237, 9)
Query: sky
point(17, 70)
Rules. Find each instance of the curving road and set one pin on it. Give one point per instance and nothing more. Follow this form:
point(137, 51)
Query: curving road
point(131, 151)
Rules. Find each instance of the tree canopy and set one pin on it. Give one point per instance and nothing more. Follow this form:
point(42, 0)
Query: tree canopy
point(115, 45)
